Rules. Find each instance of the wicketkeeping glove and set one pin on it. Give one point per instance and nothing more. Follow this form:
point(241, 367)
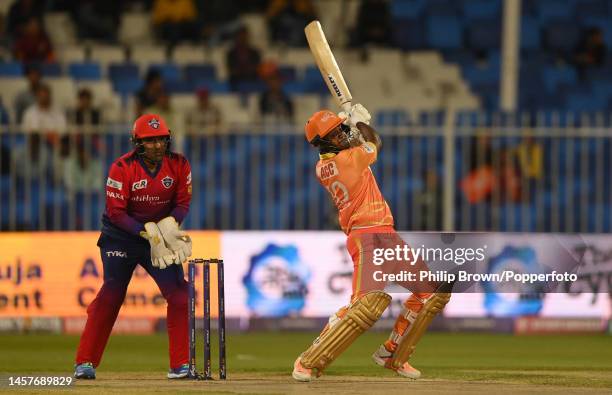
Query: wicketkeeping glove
point(176, 239)
point(357, 114)
point(161, 256)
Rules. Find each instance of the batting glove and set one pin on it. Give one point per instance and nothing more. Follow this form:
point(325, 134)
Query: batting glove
point(357, 114)
point(176, 239)
point(161, 256)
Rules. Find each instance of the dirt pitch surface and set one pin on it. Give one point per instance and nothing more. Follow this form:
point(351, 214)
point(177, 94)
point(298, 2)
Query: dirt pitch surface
point(243, 383)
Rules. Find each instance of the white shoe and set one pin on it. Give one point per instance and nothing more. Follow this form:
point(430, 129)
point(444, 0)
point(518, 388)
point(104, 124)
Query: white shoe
point(383, 358)
point(301, 373)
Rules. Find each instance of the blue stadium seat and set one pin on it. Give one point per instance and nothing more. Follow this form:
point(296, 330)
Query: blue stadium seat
point(549, 10)
point(200, 72)
point(11, 69)
point(312, 74)
point(441, 8)
point(294, 87)
point(127, 86)
point(85, 71)
point(579, 102)
point(248, 87)
point(169, 71)
point(409, 34)
point(123, 71)
point(530, 33)
point(590, 8)
point(482, 9)
point(406, 8)
point(554, 77)
point(562, 36)
point(51, 69)
point(484, 34)
point(287, 72)
point(444, 32)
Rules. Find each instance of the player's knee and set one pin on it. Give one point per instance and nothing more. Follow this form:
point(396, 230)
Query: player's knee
point(178, 298)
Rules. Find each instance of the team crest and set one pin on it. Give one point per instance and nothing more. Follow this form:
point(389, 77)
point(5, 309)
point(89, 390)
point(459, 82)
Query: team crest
point(167, 181)
point(154, 123)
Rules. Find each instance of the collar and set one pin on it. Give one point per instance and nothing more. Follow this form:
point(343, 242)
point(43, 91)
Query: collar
point(327, 155)
point(153, 173)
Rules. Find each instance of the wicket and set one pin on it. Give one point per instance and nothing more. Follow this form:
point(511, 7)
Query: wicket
point(206, 263)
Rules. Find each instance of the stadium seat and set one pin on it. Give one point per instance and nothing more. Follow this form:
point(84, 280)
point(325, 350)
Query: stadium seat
point(562, 36)
point(550, 10)
point(188, 54)
point(11, 69)
point(444, 32)
point(85, 71)
point(169, 71)
point(409, 34)
point(555, 76)
point(406, 9)
point(199, 72)
point(127, 86)
point(70, 54)
point(530, 33)
point(135, 28)
point(51, 69)
point(590, 8)
point(123, 71)
point(287, 73)
point(484, 34)
point(441, 8)
point(107, 54)
point(482, 9)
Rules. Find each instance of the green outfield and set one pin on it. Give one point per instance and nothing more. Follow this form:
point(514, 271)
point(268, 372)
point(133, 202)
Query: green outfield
point(262, 362)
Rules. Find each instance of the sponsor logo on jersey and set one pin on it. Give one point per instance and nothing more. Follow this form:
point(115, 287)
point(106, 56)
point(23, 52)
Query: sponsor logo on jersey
point(114, 183)
point(189, 178)
point(328, 170)
point(144, 198)
point(114, 195)
point(142, 184)
point(167, 182)
point(154, 123)
point(368, 148)
point(120, 254)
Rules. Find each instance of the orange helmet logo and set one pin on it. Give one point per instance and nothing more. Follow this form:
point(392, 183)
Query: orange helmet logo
point(320, 124)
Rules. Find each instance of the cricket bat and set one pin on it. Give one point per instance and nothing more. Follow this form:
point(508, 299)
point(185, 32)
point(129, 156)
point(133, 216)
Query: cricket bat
point(327, 65)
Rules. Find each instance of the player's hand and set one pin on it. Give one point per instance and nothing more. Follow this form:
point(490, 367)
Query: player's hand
point(358, 113)
point(161, 256)
point(176, 239)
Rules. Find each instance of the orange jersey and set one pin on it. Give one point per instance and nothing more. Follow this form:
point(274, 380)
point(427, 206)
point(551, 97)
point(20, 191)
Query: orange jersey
point(349, 180)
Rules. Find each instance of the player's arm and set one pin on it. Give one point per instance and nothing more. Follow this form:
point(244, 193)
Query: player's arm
point(117, 197)
point(370, 135)
point(183, 192)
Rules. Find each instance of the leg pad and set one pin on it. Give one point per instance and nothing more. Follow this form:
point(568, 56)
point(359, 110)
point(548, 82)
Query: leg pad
point(434, 305)
point(359, 317)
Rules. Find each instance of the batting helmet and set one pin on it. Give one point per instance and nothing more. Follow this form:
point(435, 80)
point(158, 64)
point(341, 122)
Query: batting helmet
point(149, 125)
point(320, 124)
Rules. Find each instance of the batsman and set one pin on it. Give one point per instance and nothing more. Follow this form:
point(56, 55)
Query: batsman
point(148, 193)
point(347, 147)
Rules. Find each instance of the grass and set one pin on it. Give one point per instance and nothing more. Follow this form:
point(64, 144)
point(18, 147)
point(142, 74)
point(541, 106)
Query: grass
point(569, 361)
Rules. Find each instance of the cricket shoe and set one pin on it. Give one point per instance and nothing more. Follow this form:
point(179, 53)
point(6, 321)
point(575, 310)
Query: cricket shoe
point(382, 357)
point(85, 371)
point(300, 373)
point(179, 373)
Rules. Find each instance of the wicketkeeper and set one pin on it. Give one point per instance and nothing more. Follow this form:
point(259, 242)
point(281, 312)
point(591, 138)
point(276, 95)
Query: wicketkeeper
point(348, 146)
point(148, 192)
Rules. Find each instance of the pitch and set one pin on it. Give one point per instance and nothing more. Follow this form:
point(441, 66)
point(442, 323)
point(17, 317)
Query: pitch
point(262, 363)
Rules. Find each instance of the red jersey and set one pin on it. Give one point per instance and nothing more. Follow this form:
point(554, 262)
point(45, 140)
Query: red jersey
point(135, 195)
